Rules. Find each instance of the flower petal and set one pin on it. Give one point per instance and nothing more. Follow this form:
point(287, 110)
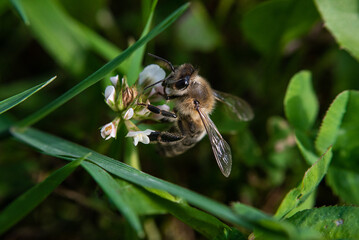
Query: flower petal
point(145, 139)
point(151, 74)
point(148, 132)
point(109, 130)
point(114, 80)
point(131, 134)
point(110, 94)
point(129, 114)
point(135, 141)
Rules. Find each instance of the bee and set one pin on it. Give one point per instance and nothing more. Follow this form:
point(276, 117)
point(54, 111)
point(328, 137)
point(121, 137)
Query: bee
point(194, 100)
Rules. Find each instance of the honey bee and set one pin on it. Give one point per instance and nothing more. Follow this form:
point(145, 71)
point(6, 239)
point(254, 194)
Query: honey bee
point(194, 100)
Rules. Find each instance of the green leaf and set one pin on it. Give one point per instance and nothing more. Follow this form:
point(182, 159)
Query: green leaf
point(137, 57)
point(344, 184)
point(332, 222)
point(341, 19)
point(18, 98)
point(300, 102)
point(307, 204)
point(339, 128)
point(347, 142)
point(311, 180)
point(279, 229)
point(34, 196)
point(114, 191)
point(306, 147)
point(103, 71)
point(55, 146)
point(269, 34)
point(331, 123)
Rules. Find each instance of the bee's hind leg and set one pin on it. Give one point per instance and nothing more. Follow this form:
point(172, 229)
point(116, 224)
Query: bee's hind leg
point(157, 110)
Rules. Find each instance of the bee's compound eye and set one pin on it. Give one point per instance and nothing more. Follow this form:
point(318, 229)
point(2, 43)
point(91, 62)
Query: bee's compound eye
point(182, 83)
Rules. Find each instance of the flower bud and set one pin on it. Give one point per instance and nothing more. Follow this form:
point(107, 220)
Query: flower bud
point(114, 80)
point(129, 94)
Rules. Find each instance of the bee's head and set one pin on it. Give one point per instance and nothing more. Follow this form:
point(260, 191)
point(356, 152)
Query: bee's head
point(181, 77)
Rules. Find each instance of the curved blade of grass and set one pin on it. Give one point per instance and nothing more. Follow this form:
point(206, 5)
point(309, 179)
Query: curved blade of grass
point(206, 224)
point(103, 71)
point(113, 190)
point(18, 98)
point(137, 57)
point(34, 196)
point(19, 7)
point(139, 201)
point(55, 146)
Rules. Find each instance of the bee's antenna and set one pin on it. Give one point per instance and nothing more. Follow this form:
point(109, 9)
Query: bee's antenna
point(153, 84)
point(164, 60)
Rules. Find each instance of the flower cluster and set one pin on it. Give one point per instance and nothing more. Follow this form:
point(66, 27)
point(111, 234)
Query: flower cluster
point(124, 100)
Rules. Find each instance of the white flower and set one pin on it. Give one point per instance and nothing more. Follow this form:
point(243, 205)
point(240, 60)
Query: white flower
point(140, 136)
point(151, 74)
point(109, 130)
point(110, 95)
point(114, 80)
point(129, 114)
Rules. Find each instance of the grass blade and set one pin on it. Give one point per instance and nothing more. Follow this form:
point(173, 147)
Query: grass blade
point(103, 71)
point(20, 8)
point(137, 57)
point(55, 146)
point(18, 98)
point(113, 190)
point(33, 197)
point(133, 201)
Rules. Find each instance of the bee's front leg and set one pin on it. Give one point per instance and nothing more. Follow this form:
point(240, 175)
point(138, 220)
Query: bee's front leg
point(157, 110)
point(164, 137)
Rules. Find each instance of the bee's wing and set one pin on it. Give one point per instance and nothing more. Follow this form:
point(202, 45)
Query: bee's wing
point(220, 147)
point(237, 105)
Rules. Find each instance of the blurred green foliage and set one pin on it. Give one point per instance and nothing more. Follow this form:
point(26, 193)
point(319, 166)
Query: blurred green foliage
point(253, 49)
